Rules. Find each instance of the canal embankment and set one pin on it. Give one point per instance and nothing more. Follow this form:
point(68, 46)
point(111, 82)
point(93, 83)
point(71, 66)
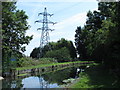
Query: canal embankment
point(21, 71)
point(50, 79)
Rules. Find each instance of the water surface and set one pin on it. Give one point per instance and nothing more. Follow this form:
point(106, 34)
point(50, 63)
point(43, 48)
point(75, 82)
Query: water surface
point(48, 80)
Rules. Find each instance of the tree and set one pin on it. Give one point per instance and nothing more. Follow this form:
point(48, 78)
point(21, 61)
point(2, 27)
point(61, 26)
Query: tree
point(34, 53)
point(14, 26)
point(69, 45)
point(93, 24)
point(61, 55)
point(102, 41)
point(80, 45)
point(113, 39)
point(56, 46)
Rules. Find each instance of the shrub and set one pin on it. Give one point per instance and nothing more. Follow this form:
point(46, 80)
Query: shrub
point(62, 55)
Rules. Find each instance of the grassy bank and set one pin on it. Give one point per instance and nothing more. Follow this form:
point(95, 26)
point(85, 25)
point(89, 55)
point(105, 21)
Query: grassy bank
point(46, 65)
point(96, 77)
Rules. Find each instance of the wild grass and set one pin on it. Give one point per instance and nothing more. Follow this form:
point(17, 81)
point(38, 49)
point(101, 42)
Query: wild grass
point(28, 61)
point(96, 77)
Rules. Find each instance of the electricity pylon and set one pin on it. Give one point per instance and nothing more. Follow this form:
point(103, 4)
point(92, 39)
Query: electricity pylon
point(44, 40)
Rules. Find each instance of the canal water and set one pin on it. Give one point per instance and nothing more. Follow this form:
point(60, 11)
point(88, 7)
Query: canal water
point(48, 80)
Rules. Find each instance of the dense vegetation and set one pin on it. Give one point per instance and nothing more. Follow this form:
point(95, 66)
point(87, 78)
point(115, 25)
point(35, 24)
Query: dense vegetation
point(99, 39)
point(14, 26)
point(62, 50)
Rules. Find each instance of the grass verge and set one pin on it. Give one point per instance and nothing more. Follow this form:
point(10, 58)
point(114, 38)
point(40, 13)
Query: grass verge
point(96, 77)
point(46, 65)
point(22, 74)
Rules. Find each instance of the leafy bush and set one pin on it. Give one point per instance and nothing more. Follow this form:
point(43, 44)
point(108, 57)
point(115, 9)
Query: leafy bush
point(55, 46)
point(24, 61)
point(62, 55)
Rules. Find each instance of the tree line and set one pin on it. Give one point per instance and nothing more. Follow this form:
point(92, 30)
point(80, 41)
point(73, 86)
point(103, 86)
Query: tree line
point(99, 39)
point(62, 50)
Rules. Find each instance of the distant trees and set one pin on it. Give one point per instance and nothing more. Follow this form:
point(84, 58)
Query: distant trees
point(61, 55)
point(34, 53)
point(62, 50)
point(14, 26)
point(99, 39)
point(68, 44)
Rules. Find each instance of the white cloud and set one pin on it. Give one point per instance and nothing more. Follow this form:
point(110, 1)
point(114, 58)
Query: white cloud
point(66, 28)
point(78, 18)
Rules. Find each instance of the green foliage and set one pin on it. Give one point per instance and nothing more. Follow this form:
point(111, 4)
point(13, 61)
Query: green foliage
point(27, 61)
point(14, 26)
point(56, 50)
point(99, 39)
point(62, 55)
point(24, 61)
point(68, 44)
point(79, 42)
point(34, 53)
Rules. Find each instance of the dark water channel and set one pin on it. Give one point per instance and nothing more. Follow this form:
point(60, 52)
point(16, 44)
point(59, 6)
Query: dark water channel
point(48, 80)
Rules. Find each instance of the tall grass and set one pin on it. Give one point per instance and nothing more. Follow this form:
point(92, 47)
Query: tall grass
point(28, 61)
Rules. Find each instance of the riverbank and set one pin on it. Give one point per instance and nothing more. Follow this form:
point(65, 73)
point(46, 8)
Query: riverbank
point(96, 77)
point(46, 65)
point(42, 68)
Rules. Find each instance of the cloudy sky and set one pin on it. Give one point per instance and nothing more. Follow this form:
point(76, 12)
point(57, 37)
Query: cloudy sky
point(67, 13)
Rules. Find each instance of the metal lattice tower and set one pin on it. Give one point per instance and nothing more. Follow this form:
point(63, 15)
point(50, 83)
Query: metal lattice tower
point(45, 30)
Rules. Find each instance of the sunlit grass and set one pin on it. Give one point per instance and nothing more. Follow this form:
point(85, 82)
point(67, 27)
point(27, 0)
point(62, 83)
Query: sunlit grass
point(46, 65)
point(22, 74)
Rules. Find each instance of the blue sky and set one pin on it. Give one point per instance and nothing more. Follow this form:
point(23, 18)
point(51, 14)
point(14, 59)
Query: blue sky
point(67, 13)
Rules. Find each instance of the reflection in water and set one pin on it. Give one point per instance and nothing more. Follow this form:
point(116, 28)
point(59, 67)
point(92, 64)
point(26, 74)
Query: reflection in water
point(60, 75)
point(36, 82)
point(48, 80)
